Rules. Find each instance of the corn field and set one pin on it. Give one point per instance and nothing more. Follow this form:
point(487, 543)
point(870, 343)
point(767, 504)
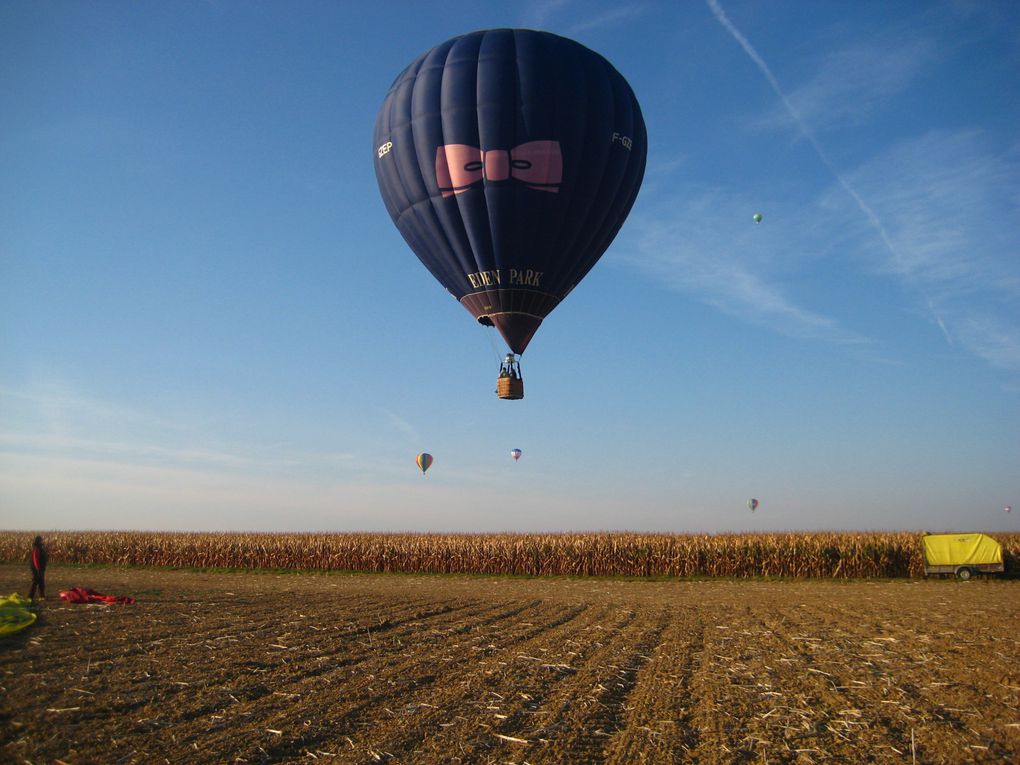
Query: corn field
point(833, 555)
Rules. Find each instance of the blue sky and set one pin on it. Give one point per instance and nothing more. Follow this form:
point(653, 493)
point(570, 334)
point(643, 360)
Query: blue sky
point(208, 320)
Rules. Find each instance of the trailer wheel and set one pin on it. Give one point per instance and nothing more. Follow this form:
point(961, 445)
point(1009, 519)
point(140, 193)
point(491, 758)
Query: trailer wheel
point(963, 574)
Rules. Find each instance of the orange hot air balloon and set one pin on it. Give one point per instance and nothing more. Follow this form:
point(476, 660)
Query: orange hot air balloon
point(424, 461)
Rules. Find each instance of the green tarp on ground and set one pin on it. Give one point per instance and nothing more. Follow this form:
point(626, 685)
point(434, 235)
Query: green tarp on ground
point(961, 549)
point(14, 613)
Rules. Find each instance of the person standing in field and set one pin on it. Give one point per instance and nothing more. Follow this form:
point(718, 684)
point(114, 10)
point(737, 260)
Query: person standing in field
point(38, 558)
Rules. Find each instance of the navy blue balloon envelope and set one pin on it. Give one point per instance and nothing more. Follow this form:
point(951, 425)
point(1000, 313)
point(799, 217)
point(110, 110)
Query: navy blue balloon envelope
point(509, 159)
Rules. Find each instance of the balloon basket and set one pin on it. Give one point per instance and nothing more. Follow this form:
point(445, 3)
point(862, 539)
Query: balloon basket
point(510, 388)
point(510, 383)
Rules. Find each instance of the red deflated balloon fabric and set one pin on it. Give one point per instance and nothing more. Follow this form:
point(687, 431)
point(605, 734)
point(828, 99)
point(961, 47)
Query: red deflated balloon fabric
point(87, 595)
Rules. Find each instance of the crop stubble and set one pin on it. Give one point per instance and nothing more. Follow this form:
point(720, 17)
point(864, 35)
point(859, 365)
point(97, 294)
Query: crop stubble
point(211, 668)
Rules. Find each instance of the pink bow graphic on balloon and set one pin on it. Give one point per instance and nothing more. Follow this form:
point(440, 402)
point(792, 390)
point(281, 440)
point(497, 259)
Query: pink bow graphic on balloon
point(537, 164)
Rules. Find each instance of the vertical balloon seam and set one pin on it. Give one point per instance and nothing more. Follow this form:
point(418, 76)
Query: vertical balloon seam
point(502, 63)
point(520, 300)
point(424, 210)
point(492, 213)
point(384, 128)
point(583, 207)
point(409, 225)
point(416, 218)
point(635, 172)
point(421, 211)
point(388, 120)
point(629, 181)
point(609, 181)
point(555, 47)
point(482, 198)
point(567, 235)
point(599, 242)
point(464, 201)
point(416, 210)
point(452, 226)
point(391, 171)
point(421, 220)
point(424, 215)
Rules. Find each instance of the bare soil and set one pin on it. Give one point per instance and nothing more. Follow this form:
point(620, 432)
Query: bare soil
point(261, 667)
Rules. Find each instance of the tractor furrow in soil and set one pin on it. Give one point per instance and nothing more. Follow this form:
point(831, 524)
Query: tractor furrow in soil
point(657, 728)
point(355, 700)
point(493, 705)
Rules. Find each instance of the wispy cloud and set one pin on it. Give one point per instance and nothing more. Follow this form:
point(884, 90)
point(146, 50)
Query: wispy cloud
point(609, 18)
point(851, 84)
point(58, 408)
point(936, 214)
point(52, 419)
point(402, 426)
point(867, 211)
point(544, 13)
point(991, 338)
point(134, 450)
point(948, 203)
point(539, 14)
point(694, 248)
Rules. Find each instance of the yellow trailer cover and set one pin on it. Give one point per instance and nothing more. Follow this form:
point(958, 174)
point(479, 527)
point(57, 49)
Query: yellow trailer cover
point(961, 549)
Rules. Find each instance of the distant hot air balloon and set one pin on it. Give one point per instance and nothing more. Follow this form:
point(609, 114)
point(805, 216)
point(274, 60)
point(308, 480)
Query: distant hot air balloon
point(756, 217)
point(508, 159)
point(516, 454)
point(753, 504)
point(424, 461)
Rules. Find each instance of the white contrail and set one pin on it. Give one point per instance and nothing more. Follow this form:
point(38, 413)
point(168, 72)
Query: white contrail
point(401, 424)
point(942, 325)
point(873, 219)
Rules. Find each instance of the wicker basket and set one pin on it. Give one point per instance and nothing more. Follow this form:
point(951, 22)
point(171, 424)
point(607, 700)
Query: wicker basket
point(510, 388)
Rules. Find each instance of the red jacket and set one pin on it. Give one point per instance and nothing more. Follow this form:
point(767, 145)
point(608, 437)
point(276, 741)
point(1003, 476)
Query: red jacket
point(38, 558)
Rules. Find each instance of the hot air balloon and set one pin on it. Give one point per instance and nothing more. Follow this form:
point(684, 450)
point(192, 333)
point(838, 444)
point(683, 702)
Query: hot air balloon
point(424, 461)
point(516, 454)
point(753, 504)
point(508, 160)
point(756, 217)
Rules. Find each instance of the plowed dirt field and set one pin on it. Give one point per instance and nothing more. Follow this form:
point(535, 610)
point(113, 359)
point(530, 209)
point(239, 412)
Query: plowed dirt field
point(259, 667)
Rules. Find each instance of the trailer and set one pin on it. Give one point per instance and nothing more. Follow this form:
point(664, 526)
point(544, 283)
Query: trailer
point(961, 555)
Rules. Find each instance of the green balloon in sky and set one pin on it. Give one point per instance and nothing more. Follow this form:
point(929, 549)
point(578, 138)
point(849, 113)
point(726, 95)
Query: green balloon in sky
point(757, 217)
